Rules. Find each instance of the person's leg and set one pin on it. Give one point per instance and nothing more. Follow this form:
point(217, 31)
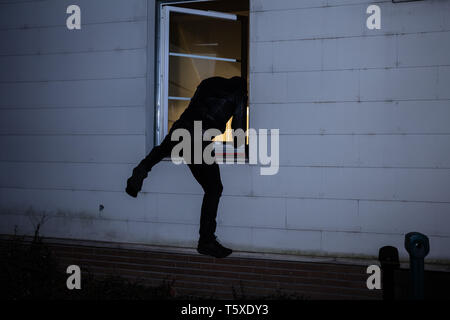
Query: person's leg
point(158, 153)
point(208, 176)
point(140, 172)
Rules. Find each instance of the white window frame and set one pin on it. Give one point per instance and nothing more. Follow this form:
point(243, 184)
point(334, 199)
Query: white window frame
point(163, 67)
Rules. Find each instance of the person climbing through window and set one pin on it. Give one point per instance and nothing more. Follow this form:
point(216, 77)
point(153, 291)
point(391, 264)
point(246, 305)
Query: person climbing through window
point(214, 102)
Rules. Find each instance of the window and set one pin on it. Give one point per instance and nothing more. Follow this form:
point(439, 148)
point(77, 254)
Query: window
point(196, 41)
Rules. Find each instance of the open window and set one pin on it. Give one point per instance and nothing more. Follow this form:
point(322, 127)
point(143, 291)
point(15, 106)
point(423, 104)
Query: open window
point(197, 42)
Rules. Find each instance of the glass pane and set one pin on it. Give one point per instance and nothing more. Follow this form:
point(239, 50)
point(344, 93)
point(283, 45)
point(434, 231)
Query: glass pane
point(185, 74)
point(176, 108)
point(201, 35)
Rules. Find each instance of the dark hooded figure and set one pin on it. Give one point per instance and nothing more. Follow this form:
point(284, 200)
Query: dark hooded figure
point(215, 101)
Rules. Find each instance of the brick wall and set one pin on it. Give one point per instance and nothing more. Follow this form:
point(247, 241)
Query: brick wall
point(203, 276)
point(240, 276)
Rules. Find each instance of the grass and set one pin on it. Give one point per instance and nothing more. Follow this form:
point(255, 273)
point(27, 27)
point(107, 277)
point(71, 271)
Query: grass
point(30, 270)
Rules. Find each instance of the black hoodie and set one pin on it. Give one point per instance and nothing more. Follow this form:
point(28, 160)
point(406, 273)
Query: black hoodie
point(215, 100)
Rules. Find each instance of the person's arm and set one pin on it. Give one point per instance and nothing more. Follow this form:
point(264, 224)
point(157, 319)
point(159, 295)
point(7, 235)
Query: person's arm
point(239, 116)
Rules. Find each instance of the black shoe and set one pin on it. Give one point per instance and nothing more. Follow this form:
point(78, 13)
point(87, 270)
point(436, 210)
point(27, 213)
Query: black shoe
point(213, 248)
point(134, 183)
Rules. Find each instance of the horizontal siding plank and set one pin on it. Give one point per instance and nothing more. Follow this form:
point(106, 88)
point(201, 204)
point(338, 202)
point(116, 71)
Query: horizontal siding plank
point(53, 12)
point(182, 235)
point(399, 84)
point(399, 117)
point(124, 120)
point(76, 176)
point(305, 86)
point(171, 178)
point(84, 148)
point(361, 244)
point(352, 2)
point(270, 5)
point(356, 183)
point(373, 52)
point(366, 150)
point(440, 247)
point(96, 37)
point(432, 219)
point(345, 85)
point(443, 83)
point(261, 57)
point(94, 229)
point(166, 177)
point(414, 50)
point(252, 212)
point(233, 210)
point(322, 214)
point(287, 240)
point(324, 54)
point(76, 66)
point(178, 208)
point(346, 21)
point(297, 55)
point(73, 204)
point(424, 49)
point(80, 93)
point(311, 182)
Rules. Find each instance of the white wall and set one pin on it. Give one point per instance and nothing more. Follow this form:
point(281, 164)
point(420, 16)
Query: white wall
point(363, 116)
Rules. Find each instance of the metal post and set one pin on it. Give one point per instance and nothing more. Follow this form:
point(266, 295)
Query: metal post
point(418, 247)
point(389, 261)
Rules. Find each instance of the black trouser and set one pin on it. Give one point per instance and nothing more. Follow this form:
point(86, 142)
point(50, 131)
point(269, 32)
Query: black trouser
point(207, 175)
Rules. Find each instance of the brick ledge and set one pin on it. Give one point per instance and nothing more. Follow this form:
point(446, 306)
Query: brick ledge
point(429, 266)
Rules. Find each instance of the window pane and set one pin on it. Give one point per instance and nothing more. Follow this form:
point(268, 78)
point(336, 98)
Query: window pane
point(176, 108)
point(202, 41)
point(185, 74)
point(194, 34)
